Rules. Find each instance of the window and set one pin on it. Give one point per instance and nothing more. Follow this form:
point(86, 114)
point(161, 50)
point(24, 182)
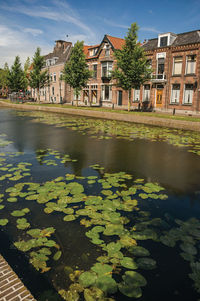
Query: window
point(163, 41)
point(61, 75)
point(161, 65)
point(52, 90)
point(51, 77)
point(146, 96)
point(94, 93)
point(93, 52)
point(107, 50)
point(175, 93)
point(190, 64)
point(106, 92)
point(136, 95)
point(54, 77)
point(177, 65)
point(95, 71)
point(188, 94)
point(106, 69)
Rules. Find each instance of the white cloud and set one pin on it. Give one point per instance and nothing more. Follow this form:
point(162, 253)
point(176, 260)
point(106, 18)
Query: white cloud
point(59, 12)
point(149, 29)
point(35, 32)
point(14, 42)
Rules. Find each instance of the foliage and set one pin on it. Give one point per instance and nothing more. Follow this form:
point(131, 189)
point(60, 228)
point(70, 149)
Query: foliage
point(38, 78)
point(76, 72)
point(132, 69)
point(16, 79)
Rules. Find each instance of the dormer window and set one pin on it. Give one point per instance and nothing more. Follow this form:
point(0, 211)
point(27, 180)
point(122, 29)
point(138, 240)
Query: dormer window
point(93, 52)
point(163, 41)
point(166, 39)
point(107, 50)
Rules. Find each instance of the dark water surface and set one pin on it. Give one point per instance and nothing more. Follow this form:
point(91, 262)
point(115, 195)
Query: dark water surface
point(175, 169)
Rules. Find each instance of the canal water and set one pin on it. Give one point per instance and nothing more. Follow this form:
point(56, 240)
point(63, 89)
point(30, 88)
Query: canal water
point(162, 167)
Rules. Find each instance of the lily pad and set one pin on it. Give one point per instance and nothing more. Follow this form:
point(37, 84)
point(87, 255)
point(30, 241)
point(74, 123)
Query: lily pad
point(87, 279)
point(146, 263)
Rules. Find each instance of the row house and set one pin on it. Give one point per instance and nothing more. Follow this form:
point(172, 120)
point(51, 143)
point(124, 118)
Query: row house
point(175, 82)
point(101, 89)
point(57, 91)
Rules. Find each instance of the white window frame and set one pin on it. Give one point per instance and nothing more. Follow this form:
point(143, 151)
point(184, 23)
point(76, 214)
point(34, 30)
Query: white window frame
point(190, 94)
point(103, 93)
point(109, 67)
point(136, 95)
point(146, 93)
point(174, 58)
point(172, 94)
point(54, 76)
point(186, 65)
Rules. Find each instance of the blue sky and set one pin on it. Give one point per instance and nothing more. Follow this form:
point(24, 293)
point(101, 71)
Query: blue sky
point(27, 24)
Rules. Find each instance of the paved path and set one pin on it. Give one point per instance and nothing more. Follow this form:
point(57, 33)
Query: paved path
point(11, 287)
point(149, 120)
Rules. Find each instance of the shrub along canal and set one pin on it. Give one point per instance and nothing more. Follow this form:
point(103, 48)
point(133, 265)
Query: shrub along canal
point(96, 209)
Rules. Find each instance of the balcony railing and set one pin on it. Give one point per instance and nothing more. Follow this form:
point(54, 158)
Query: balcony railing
point(158, 78)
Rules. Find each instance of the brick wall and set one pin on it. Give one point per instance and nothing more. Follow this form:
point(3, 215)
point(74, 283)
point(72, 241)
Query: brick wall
point(11, 287)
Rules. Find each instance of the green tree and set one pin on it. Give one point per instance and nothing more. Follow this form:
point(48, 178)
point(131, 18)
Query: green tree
point(4, 82)
point(38, 78)
point(16, 76)
point(132, 68)
point(27, 65)
point(76, 72)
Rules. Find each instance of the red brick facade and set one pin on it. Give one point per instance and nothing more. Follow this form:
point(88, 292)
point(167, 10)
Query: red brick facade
point(175, 82)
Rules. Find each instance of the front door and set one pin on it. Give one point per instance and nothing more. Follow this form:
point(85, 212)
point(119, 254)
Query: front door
point(119, 98)
point(159, 96)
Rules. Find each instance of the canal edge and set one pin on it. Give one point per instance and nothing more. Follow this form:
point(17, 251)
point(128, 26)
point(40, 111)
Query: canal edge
point(11, 287)
point(147, 120)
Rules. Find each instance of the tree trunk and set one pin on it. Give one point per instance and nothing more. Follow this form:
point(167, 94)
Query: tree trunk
point(38, 93)
point(129, 100)
point(77, 99)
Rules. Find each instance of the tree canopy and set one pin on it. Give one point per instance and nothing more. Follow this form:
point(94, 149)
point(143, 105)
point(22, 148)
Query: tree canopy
point(38, 78)
point(16, 76)
point(132, 68)
point(76, 72)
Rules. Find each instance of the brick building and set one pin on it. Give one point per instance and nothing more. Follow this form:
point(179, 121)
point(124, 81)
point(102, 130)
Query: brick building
point(101, 89)
point(57, 91)
point(175, 83)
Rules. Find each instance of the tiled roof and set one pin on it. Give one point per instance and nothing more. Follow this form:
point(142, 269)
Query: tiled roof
point(181, 39)
point(117, 43)
point(85, 50)
point(61, 54)
point(93, 46)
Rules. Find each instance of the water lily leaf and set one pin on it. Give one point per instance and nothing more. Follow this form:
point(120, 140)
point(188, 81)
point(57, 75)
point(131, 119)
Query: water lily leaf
point(138, 251)
point(188, 248)
point(129, 263)
point(69, 218)
point(133, 278)
point(3, 222)
point(130, 291)
point(106, 284)
point(113, 248)
point(12, 200)
point(114, 229)
point(22, 223)
point(146, 263)
point(93, 294)
point(102, 269)
point(127, 241)
point(87, 279)
point(57, 255)
point(1, 207)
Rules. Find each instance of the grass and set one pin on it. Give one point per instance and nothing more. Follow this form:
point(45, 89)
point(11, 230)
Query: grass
point(146, 114)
